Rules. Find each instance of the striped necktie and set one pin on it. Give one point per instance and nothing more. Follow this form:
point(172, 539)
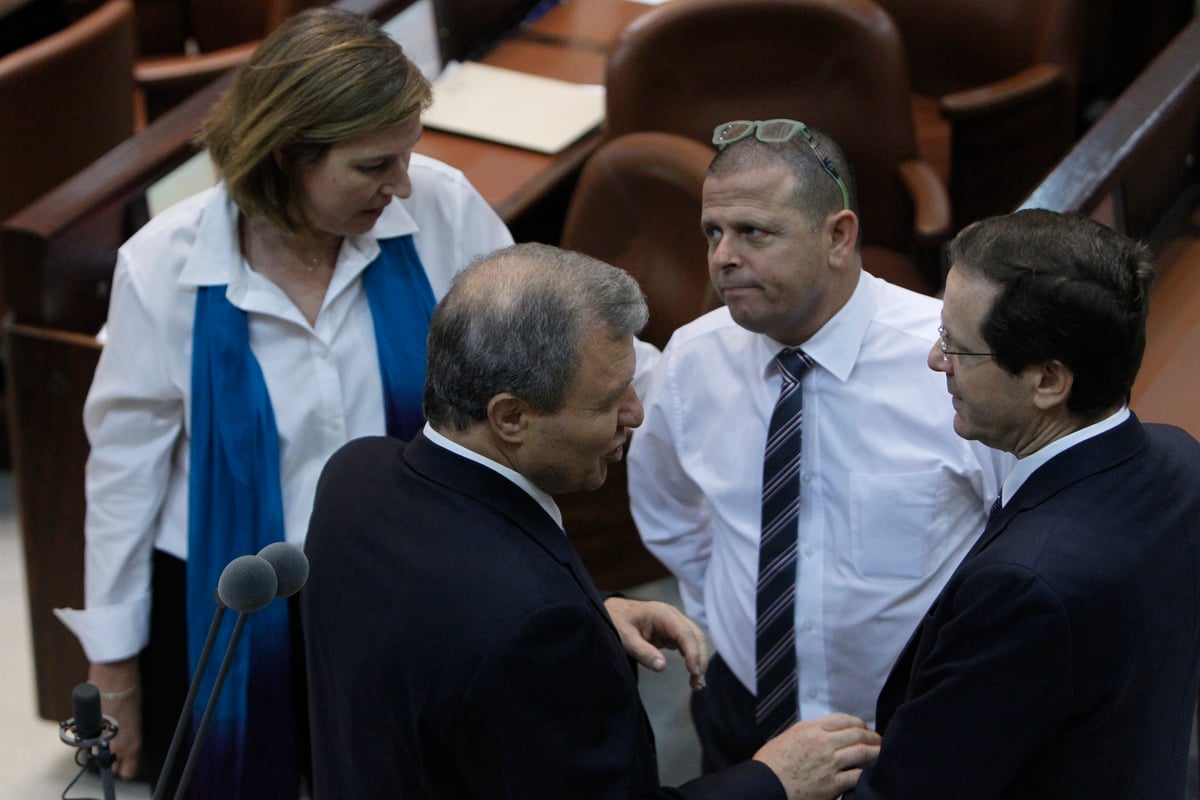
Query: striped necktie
point(775, 634)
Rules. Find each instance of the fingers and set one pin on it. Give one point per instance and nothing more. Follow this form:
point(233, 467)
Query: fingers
point(127, 744)
point(646, 654)
point(633, 626)
point(120, 681)
point(838, 720)
point(689, 640)
point(846, 780)
point(855, 755)
point(125, 766)
point(645, 626)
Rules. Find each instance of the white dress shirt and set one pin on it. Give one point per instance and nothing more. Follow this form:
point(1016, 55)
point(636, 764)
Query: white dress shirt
point(890, 500)
point(323, 379)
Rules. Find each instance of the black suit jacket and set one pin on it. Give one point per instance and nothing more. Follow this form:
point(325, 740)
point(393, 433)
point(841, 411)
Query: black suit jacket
point(458, 649)
point(1062, 658)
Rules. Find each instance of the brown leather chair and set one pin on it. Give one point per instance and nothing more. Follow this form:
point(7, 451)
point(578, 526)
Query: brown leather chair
point(995, 92)
point(67, 99)
point(184, 46)
point(837, 65)
point(647, 188)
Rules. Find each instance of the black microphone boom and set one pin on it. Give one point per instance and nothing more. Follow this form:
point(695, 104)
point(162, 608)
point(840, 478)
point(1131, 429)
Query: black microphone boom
point(247, 584)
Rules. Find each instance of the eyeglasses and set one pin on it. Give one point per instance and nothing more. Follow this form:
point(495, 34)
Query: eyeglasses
point(778, 131)
point(944, 344)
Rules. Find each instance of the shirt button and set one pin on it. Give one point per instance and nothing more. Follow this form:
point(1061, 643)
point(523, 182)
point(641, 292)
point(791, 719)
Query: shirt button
point(808, 626)
point(812, 693)
point(808, 551)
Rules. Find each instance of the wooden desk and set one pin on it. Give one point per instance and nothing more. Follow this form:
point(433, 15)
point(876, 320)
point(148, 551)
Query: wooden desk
point(591, 24)
point(529, 190)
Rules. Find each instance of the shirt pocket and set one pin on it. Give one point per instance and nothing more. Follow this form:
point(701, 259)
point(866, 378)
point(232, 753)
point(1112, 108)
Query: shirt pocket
point(893, 532)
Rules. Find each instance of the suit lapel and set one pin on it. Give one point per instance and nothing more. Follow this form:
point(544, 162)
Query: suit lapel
point(1078, 463)
point(491, 489)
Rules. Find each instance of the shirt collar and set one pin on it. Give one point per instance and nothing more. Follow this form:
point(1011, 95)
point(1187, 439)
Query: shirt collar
point(216, 257)
point(835, 346)
point(1031, 463)
point(543, 498)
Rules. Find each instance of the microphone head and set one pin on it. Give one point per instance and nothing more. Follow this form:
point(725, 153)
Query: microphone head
point(247, 584)
point(291, 566)
point(85, 705)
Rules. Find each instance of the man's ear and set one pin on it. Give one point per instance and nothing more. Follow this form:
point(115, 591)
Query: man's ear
point(1052, 384)
point(842, 227)
point(508, 417)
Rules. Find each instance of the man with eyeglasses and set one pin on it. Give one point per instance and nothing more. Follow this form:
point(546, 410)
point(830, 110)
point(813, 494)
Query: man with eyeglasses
point(806, 545)
point(1062, 657)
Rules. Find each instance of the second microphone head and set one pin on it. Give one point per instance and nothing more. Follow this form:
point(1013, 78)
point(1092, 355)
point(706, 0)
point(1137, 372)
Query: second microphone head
point(247, 584)
point(291, 566)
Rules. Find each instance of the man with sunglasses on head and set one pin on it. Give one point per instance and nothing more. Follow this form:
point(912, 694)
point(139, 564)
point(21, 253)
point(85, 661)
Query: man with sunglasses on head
point(796, 469)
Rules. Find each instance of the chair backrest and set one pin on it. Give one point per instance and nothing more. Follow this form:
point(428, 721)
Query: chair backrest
point(647, 186)
point(164, 26)
point(636, 205)
point(218, 24)
point(28, 21)
point(966, 43)
point(66, 100)
point(837, 65)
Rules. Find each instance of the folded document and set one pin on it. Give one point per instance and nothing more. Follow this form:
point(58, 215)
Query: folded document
point(514, 108)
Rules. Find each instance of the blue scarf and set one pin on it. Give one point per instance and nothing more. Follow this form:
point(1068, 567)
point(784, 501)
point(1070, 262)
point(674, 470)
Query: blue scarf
point(251, 750)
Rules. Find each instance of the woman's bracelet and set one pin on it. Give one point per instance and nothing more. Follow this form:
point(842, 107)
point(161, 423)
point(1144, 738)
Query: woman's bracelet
point(121, 695)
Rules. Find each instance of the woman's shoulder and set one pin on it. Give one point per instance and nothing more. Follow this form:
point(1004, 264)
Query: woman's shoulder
point(427, 171)
point(175, 225)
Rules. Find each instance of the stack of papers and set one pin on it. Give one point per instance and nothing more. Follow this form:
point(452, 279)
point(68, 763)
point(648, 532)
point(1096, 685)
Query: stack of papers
point(514, 108)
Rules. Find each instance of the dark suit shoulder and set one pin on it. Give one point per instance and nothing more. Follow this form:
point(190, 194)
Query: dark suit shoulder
point(1175, 439)
point(361, 454)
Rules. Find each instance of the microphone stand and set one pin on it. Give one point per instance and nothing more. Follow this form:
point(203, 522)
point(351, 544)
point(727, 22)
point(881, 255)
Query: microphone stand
point(96, 749)
point(185, 715)
point(247, 584)
point(198, 743)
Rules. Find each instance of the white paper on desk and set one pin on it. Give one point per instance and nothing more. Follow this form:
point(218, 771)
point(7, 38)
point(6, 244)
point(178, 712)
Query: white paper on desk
point(514, 108)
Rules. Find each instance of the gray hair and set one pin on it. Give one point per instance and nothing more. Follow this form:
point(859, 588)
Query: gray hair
point(515, 321)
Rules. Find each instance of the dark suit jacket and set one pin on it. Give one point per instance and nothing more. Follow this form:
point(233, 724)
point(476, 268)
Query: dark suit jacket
point(1061, 659)
point(458, 649)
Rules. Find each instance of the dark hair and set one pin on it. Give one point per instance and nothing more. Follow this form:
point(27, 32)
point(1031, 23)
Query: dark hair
point(817, 195)
point(1072, 290)
point(323, 77)
point(515, 321)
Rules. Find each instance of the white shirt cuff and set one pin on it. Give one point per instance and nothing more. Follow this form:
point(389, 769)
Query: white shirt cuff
point(110, 633)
